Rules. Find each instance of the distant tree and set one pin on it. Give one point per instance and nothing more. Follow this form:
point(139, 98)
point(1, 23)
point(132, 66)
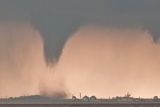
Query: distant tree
point(117, 97)
point(127, 95)
point(155, 97)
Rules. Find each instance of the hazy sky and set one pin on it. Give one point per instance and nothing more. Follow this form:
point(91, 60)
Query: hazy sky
point(114, 43)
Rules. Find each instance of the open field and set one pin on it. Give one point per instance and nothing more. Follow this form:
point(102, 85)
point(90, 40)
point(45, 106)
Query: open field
point(79, 104)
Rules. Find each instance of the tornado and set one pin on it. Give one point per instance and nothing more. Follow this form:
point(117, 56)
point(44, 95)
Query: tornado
point(43, 28)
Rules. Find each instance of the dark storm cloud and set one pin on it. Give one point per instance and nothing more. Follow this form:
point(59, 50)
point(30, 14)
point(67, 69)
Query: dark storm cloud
point(58, 19)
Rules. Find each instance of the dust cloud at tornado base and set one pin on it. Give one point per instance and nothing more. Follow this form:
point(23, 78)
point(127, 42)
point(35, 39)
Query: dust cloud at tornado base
point(23, 69)
point(95, 61)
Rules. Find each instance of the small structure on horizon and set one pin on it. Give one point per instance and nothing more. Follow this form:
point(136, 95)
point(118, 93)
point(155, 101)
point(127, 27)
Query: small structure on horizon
point(85, 98)
point(80, 95)
point(74, 98)
point(127, 95)
point(126, 98)
point(93, 98)
point(155, 97)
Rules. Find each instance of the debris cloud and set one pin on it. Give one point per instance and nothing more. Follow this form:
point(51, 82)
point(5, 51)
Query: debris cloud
point(23, 69)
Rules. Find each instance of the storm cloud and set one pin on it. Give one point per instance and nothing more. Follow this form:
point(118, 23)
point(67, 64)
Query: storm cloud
point(56, 20)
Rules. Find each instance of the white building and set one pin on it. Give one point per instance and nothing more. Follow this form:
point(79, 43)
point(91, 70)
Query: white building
point(93, 98)
point(74, 98)
point(85, 98)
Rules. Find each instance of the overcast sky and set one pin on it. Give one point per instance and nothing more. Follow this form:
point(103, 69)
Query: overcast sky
point(56, 20)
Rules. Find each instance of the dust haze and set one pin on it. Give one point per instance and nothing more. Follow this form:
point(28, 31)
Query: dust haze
point(23, 69)
point(107, 62)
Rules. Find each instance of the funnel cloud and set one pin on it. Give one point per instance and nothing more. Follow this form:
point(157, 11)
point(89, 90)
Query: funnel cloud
point(23, 69)
point(56, 20)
